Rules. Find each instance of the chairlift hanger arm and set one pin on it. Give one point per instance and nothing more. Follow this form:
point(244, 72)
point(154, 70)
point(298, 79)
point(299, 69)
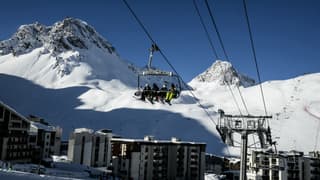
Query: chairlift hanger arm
point(153, 48)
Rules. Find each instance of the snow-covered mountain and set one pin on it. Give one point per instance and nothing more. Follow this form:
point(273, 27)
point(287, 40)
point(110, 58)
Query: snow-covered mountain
point(69, 52)
point(222, 72)
point(73, 77)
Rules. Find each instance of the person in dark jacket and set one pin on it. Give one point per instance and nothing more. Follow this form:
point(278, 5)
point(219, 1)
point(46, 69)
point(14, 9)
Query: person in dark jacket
point(155, 92)
point(146, 92)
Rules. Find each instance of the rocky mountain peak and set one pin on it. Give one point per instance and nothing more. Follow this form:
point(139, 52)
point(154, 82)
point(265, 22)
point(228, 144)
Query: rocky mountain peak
point(223, 72)
point(65, 35)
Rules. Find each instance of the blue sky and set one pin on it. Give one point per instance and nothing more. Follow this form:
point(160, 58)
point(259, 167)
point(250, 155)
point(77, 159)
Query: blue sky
point(286, 32)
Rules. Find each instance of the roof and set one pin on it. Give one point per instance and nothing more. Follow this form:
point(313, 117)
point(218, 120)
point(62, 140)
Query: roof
point(13, 110)
point(157, 141)
point(43, 126)
point(82, 130)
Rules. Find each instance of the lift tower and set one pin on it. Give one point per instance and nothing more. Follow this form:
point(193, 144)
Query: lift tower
point(244, 125)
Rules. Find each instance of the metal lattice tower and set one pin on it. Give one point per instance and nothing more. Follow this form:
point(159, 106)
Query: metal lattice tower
point(244, 125)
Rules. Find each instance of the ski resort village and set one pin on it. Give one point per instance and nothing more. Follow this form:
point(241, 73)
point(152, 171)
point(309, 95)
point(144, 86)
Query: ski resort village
point(160, 90)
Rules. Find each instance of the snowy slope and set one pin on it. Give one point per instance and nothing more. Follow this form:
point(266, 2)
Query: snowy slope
point(88, 85)
point(294, 105)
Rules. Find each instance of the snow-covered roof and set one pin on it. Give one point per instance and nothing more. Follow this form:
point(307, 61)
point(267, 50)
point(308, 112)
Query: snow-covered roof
point(38, 125)
point(158, 141)
point(103, 131)
point(82, 130)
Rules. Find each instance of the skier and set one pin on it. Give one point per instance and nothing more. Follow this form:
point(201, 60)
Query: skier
point(171, 93)
point(146, 92)
point(155, 91)
point(163, 92)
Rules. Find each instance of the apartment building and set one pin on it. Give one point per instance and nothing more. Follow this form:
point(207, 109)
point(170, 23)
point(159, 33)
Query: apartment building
point(44, 138)
point(158, 159)
point(90, 148)
point(267, 165)
point(312, 166)
point(14, 138)
point(215, 164)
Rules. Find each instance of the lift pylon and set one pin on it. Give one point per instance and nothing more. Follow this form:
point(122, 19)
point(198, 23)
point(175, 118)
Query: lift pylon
point(244, 125)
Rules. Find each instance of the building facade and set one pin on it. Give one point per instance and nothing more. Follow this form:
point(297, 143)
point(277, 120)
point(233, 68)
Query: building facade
point(312, 166)
point(44, 138)
point(154, 159)
point(264, 165)
point(90, 148)
point(14, 138)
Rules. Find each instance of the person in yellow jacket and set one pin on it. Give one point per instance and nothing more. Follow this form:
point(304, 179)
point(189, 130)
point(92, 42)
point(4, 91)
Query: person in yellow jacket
point(171, 93)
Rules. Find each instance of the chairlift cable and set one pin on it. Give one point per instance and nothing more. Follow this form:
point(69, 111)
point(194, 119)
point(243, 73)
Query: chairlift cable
point(254, 55)
point(224, 51)
point(205, 29)
point(242, 99)
point(255, 61)
point(167, 60)
point(216, 29)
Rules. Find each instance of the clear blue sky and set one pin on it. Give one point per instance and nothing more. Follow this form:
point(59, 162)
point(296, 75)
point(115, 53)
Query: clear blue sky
point(286, 32)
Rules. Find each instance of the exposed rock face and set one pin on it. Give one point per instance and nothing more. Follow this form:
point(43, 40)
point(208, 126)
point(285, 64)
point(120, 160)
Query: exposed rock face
point(223, 72)
point(69, 34)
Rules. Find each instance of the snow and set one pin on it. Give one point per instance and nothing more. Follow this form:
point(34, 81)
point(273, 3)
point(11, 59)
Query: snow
point(42, 126)
point(62, 169)
point(83, 130)
point(314, 109)
point(18, 175)
point(93, 88)
point(212, 176)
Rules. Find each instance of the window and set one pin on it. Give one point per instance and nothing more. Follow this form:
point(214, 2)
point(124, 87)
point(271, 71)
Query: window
point(6, 115)
point(1, 112)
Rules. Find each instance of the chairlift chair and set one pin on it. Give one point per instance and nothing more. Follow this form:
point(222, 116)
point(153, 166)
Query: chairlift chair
point(151, 75)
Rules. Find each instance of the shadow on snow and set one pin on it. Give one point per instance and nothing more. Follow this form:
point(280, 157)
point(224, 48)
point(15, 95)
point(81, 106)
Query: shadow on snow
point(57, 106)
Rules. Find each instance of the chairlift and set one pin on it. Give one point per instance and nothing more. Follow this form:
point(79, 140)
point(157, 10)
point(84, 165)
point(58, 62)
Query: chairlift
point(152, 75)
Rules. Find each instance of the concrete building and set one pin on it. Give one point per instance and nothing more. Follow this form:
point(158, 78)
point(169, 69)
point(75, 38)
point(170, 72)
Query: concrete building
point(312, 166)
point(90, 148)
point(294, 164)
point(215, 164)
point(101, 149)
point(14, 138)
point(157, 159)
point(44, 138)
point(264, 165)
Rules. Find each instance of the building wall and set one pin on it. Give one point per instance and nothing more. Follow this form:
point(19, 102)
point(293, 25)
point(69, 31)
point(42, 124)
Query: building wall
point(101, 149)
point(155, 160)
point(89, 148)
point(14, 138)
point(282, 166)
point(312, 166)
point(135, 165)
point(80, 148)
point(56, 149)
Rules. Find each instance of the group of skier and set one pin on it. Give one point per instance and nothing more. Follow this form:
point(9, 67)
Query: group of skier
point(159, 94)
